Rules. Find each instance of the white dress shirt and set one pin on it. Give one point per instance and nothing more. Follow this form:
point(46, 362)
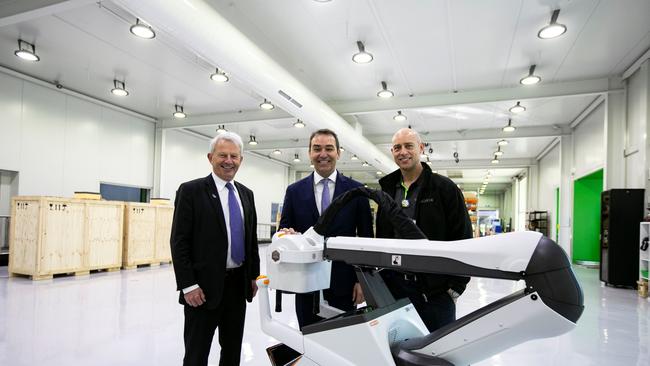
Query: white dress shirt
point(223, 197)
point(318, 188)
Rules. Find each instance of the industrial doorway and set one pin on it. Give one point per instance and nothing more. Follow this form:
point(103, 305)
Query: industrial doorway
point(586, 218)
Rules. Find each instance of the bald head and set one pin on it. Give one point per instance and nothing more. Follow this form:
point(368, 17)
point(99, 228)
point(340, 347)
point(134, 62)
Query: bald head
point(406, 149)
point(408, 133)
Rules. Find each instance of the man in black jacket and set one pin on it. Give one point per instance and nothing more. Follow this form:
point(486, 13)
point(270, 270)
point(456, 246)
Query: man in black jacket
point(216, 260)
point(437, 207)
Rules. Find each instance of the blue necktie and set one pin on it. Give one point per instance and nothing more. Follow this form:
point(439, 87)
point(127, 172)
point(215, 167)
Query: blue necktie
point(236, 227)
point(325, 198)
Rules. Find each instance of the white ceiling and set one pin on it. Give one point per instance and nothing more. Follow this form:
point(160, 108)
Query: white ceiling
point(453, 65)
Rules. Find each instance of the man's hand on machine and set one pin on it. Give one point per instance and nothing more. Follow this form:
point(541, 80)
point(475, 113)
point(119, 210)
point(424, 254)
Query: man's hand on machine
point(289, 231)
point(357, 294)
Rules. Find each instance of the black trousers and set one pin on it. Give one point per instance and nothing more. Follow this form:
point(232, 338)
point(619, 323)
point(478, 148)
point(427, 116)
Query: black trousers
point(201, 323)
point(305, 306)
point(435, 309)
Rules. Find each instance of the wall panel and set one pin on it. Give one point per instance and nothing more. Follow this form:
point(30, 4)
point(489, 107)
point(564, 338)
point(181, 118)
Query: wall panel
point(589, 143)
point(59, 143)
point(11, 90)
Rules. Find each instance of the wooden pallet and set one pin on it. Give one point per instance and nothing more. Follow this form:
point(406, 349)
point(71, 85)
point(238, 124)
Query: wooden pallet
point(140, 265)
point(48, 276)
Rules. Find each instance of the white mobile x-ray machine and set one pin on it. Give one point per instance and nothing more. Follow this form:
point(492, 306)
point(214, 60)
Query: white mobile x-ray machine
point(389, 331)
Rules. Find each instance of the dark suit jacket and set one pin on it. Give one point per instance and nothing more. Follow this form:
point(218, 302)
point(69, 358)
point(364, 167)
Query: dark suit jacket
point(199, 239)
point(300, 212)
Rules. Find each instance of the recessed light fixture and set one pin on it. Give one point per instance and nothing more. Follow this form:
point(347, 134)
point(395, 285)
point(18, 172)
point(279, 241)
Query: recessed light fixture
point(219, 76)
point(517, 108)
point(296, 158)
point(498, 152)
point(553, 29)
point(365, 163)
point(252, 140)
point(299, 124)
point(495, 160)
point(384, 92)
point(221, 129)
point(362, 57)
point(509, 127)
point(179, 113)
point(354, 157)
point(531, 79)
point(277, 152)
point(142, 30)
point(399, 117)
point(434, 171)
point(379, 173)
point(341, 148)
point(502, 142)
point(266, 105)
point(119, 88)
point(26, 51)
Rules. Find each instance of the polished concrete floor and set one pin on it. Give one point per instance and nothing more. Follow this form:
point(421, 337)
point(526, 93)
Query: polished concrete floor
point(133, 318)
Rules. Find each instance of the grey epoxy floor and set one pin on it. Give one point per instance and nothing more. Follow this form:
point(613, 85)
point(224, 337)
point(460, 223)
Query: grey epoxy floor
point(133, 318)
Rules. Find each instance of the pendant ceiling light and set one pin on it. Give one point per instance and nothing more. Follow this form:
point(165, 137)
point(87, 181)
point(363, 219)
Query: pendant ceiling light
point(553, 29)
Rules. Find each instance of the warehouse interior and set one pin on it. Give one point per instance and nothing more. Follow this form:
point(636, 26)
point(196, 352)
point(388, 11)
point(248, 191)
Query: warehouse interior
point(536, 131)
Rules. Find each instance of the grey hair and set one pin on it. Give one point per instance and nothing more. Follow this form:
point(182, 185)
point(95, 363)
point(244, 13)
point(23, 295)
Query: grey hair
point(230, 136)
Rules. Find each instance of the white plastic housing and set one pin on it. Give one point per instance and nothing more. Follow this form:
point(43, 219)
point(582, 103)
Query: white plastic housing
point(295, 263)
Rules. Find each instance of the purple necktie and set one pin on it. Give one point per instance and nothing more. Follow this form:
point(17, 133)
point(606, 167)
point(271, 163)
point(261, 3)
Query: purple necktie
point(325, 198)
point(236, 227)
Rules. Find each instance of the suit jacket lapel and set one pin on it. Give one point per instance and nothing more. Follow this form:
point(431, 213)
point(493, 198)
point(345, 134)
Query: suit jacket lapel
point(310, 197)
point(339, 187)
point(215, 202)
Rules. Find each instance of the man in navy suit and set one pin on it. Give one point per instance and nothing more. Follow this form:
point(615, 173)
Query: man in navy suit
point(303, 204)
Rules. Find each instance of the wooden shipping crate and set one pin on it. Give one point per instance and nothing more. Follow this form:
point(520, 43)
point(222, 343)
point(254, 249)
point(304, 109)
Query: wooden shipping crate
point(47, 237)
point(103, 227)
point(139, 234)
point(164, 217)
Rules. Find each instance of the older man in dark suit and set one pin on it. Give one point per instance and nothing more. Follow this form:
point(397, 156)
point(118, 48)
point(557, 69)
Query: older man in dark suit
point(214, 249)
point(305, 200)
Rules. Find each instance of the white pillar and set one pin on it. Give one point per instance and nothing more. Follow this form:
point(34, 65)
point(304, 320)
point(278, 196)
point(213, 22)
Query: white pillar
point(157, 159)
point(566, 193)
point(614, 169)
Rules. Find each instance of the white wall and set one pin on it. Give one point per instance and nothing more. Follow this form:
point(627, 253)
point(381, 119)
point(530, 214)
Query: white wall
point(60, 144)
point(549, 181)
point(589, 143)
point(490, 201)
point(184, 157)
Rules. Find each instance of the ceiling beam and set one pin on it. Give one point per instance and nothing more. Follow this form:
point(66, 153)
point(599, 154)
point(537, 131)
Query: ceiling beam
point(481, 164)
point(587, 111)
point(227, 118)
point(18, 11)
point(482, 134)
point(583, 87)
point(551, 90)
